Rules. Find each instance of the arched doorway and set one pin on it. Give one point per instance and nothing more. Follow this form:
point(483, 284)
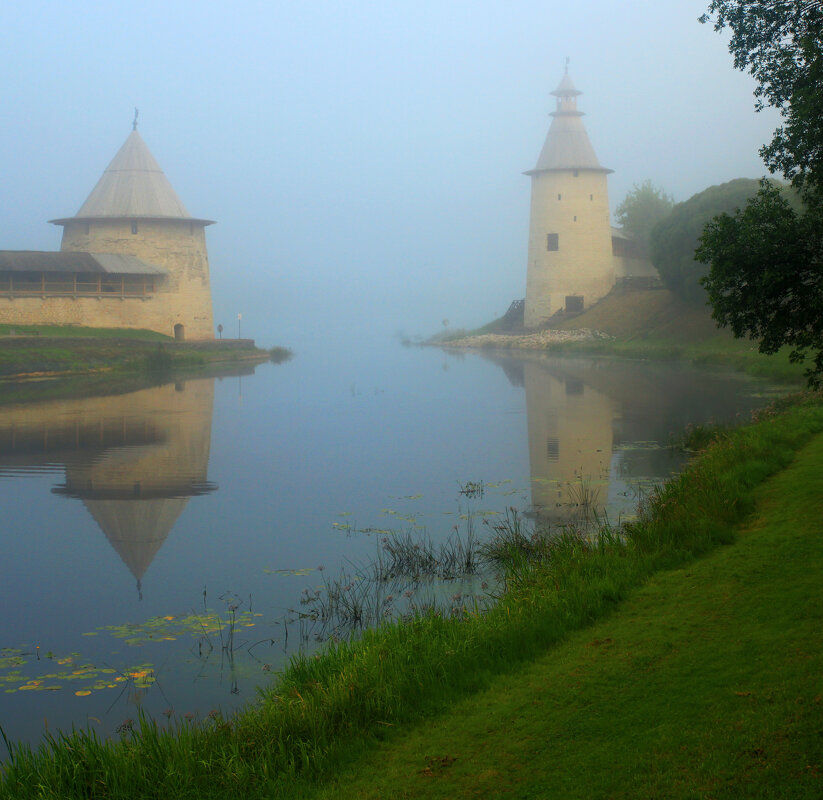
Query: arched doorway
point(179, 332)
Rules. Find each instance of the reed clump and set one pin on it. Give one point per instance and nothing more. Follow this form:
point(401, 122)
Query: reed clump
point(325, 706)
point(279, 355)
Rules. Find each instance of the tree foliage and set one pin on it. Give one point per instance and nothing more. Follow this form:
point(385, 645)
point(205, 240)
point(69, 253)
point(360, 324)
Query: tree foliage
point(766, 279)
point(642, 209)
point(674, 239)
point(779, 43)
point(766, 262)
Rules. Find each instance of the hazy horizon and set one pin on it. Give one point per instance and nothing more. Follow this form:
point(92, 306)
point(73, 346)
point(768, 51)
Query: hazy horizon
point(363, 162)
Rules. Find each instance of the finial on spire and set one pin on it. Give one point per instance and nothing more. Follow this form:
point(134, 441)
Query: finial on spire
point(134, 121)
point(567, 68)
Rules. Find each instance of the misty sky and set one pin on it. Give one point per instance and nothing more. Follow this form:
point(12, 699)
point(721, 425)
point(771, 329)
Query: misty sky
point(363, 159)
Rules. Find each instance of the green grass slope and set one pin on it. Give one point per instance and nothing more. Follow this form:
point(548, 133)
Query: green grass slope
point(707, 683)
point(649, 314)
point(656, 324)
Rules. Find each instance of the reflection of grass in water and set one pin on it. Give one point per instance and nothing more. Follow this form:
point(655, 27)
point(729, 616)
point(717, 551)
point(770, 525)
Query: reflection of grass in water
point(585, 497)
point(407, 577)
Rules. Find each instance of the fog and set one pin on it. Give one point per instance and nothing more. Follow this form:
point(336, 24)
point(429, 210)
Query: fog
point(363, 160)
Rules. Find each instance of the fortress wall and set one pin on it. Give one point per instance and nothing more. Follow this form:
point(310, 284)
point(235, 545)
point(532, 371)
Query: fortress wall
point(152, 312)
point(182, 297)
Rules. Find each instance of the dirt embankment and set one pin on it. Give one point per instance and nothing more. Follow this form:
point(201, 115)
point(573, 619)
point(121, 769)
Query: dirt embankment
point(624, 315)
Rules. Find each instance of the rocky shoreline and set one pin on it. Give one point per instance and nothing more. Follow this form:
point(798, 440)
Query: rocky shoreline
point(533, 340)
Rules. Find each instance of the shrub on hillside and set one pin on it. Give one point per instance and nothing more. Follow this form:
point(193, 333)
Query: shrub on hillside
point(674, 239)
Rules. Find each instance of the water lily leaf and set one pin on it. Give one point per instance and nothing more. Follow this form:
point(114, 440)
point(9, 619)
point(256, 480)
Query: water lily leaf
point(83, 692)
point(304, 571)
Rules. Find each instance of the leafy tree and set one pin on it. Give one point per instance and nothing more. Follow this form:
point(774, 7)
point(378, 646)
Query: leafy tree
point(766, 262)
point(643, 208)
point(674, 239)
point(766, 279)
point(779, 43)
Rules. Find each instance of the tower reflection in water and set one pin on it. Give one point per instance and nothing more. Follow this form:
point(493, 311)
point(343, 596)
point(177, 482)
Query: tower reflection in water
point(134, 460)
point(570, 446)
point(598, 429)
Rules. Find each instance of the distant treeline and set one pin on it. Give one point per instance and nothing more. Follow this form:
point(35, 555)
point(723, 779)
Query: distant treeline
point(675, 238)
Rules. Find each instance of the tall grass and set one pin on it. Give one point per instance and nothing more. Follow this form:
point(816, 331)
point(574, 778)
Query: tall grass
point(324, 705)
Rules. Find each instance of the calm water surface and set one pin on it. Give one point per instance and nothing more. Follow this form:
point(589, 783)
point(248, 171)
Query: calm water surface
point(131, 521)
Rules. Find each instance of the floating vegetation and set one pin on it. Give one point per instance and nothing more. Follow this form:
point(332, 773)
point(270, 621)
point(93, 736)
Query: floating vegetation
point(11, 657)
point(25, 669)
point(171, 627)
point(410, 574)
point(304, 571)
point(92, 677)
point(472, 489)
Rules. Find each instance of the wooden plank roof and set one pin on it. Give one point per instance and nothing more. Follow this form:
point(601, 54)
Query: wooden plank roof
point(106, 263)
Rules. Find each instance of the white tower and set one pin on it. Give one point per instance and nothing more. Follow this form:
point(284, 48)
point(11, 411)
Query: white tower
point(570, 248)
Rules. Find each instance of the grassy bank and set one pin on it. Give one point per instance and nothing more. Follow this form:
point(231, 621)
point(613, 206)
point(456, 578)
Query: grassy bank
point(326, 711)
point(48, 362)
point(648, 324)
point(706, 683)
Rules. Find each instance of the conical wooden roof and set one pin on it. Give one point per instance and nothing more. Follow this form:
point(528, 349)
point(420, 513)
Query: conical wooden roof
point(133, 187)
point(567, 145)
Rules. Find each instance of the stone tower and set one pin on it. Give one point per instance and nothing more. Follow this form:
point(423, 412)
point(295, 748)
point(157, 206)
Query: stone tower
point(570, 248)
point(134, 211)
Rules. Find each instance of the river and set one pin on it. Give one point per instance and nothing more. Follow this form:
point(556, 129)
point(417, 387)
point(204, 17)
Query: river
point(158, 548)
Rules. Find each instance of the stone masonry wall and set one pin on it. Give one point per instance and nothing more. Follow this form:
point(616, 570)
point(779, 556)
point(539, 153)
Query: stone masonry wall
point(576, 208)
point(182, 297)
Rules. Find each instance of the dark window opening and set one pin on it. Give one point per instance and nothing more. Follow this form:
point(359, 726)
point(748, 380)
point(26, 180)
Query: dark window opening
point(576, 173)
point(552, 448)
point(559, 197)
point(575, 217)
point(179, 332)
point(591, 197)
point(134, 227)
point(574, 302)
point(552, 241)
